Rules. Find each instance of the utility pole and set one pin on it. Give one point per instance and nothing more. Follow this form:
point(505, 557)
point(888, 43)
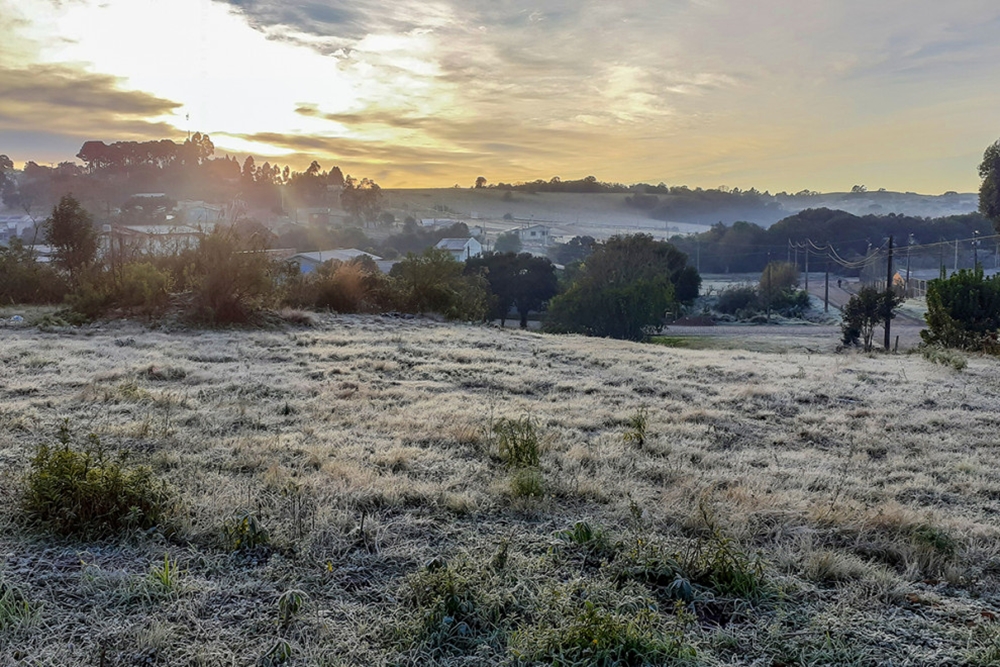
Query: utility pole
point(807, 268)
point(826, 290)
point(888, 295)
point(767, 270)
point(909, 245)
point(697, 245)
point(956, 255)
point(975, 250)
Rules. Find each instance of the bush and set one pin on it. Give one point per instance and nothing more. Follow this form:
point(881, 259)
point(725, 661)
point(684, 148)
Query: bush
point(736, 299)
point(865, 311)
point(90, 494)
point(433, 282)
point(963, 311)
point(232, 279)
point(25, 281)
point(144, 289)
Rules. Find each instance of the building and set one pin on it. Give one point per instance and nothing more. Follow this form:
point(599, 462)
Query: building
point(150, 239)
point(534, 235)
point(461, 249)
point(310, 261)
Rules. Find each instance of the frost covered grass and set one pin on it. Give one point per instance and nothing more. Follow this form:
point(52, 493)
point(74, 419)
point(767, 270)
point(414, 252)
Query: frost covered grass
point(340, 496)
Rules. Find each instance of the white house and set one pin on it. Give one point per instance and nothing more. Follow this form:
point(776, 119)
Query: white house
point(534, 235)
point(310, 261)
point(461, 249)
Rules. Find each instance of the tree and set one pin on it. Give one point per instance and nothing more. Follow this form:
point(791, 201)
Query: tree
point(480, 182)
point(70, 232)
point(624, 289)
point(522, 281)
point(361, 199)
point(963, 311)
point(865, 312)
point(777, 282)
point(989, 190)
point(508, 242)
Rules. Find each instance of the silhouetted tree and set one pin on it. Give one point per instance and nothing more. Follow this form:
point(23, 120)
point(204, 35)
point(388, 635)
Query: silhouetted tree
point(70, 232)
point(989, 191)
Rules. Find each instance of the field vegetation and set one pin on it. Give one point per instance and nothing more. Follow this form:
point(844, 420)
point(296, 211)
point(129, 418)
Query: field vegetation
point(373, 490)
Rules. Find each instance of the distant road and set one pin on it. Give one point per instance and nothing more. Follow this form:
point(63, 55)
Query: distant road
point(839, 296)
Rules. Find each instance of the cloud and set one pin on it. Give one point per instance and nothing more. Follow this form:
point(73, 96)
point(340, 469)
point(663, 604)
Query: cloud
point(67, 100)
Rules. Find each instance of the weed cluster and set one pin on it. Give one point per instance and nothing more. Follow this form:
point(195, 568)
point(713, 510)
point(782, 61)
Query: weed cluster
point(944, 356)
point(89, 493)
point(244, 531)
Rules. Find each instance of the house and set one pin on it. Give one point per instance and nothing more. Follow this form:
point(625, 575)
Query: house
point(149, 239)
point(534, 235)
point(310, 261)
point(461, 249)
point(14, 225)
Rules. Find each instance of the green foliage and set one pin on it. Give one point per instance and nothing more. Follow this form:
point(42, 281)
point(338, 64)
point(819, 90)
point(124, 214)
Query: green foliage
point(524, 281)
point(290, 603)
point(517, 442)
point(989, 190)
point(279, 653)
point(597, 636)
point(144, 289)
point(165, 576)
point(944, 356)
point(25, 281)
point(70, 231)
point(737, 299)
point(232, 279)
point(15, 608)
point(864, 312)
point(629, 311)
point(624, 290)
point(527, 483)
point(963, 311)
point(433, 283)
point(635, 427)
point(777, 279)
point(91, 494)
point(508, 242)
point(244, 531)
point(722, 565)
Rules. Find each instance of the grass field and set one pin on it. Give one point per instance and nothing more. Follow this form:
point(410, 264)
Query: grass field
point(365, 492)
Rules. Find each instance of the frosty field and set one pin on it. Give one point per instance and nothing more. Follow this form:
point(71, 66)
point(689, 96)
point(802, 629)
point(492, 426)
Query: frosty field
point(715, 507)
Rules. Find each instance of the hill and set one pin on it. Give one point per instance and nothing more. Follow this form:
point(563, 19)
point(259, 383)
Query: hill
point(604, 214)
point(803, 508)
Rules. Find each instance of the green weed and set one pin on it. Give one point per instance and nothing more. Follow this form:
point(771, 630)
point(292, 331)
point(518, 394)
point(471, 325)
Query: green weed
point(243, 530)
point(165, 576)
point(15, 608)
point(517, 442)
point(635, 428)
point(90, 494)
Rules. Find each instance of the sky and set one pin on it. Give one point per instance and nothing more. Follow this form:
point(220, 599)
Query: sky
point(781, 95)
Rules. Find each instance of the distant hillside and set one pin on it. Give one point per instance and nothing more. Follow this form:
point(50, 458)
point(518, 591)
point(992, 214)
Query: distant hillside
point(604, 214)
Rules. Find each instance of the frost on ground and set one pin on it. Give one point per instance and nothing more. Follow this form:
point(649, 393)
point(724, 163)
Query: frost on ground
point(695, 506)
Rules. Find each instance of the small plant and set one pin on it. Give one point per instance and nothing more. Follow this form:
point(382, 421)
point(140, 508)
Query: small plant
point(290, 603)
point(594, 541)
point(88, 493)
point(278, 654)
point(243, 530)
point(517, 442)
point(720, 564)
point(527, 483)
point(635, 428)
point(165, 576)
point(15, 609)
point(600, 637)
point(944, 356)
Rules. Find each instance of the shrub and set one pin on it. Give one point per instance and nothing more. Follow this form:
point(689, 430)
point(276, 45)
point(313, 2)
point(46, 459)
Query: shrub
point(944, 356)
point(144, 288)
point(865, 311)
point(527, 483)
point(517, 442)
point(963, 311)
point(90, 494)
point(433, 282)
point(24, 281)
point(232, 279)
point(244, 531)
point(736, 299)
